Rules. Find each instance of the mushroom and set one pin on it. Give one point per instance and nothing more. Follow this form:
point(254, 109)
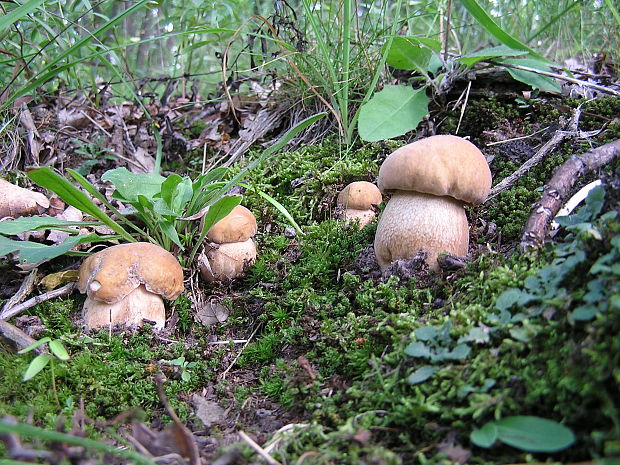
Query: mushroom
point(231, 249)
point(357, 201)
point(430, 179)
point(16, 201)
point(125, 285)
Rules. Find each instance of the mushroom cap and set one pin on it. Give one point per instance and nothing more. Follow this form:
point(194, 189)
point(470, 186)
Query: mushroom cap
point(137, 306)
point(359, 195)
point(111, 274)
point(413, 221)
point(228, 261)
point(238, 226)
point(16, 201)
point(438, 165)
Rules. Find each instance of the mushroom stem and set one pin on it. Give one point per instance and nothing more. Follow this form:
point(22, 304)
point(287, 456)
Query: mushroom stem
point(413, 221)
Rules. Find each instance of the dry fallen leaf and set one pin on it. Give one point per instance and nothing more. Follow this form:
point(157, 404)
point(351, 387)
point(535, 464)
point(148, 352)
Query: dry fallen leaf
point(212, 313)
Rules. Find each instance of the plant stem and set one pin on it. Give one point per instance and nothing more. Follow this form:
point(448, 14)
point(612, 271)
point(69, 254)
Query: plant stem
point(346, 52)
point(54, 381)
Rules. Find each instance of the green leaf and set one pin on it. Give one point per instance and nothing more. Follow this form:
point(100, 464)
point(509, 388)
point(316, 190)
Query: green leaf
point(508, 298)
point(392, 112)
point(421, 374)
point(409, 53)
point(36, 223)
point(36, 344)
point(425, 333)
point(534, 434)
point(58, 349)
point(176, 192)
point(37, 364)
point(34, 252)
point(491, 52)
point(418, 349)
point(18, 13)
point(219, 210)
point(129, 185)
point(460, 352)
point(492, 28)
point(485, 436)
point(531, 78)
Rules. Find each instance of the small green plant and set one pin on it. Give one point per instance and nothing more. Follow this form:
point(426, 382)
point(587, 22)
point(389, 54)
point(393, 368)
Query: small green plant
point(528, 433)
point(183, 364)
point(93, 152)
point(38, 363)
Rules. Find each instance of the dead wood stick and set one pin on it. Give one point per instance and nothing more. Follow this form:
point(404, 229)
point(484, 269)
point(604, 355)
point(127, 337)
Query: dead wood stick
point(559, 187)
point(12, 311)
point(24, 290)
point(15, 335)
point(551, 144)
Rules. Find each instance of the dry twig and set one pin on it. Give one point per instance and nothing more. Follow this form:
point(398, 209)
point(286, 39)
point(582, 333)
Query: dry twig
point(259, 450)
point(559, 187)
point(15, 335)
point(8, 313)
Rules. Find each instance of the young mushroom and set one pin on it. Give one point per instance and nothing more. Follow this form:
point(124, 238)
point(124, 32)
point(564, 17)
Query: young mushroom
point(357, 201)
point(430, 180)
point(16, 201)
point(231, 249)
point(125, 285)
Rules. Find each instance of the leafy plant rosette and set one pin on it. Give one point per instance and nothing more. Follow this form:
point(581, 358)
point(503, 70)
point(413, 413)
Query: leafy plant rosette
point(164, 208)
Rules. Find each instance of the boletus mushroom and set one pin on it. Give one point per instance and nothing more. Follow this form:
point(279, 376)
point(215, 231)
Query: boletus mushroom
point(16, 201)
point(357, 201)
point(430, 181)
point(125, 285)
point(230, 249)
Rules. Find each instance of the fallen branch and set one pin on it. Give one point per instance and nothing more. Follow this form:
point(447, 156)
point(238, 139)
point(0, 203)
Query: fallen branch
point(15, 335)
point(558, 188)
point(8, 313)
point(559, 136)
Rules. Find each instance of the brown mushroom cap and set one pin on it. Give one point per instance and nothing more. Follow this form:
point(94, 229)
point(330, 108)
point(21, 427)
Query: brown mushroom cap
point(238, 226)
point(441, 165)
point(359, 195)
point(113, 273)
point(412, 222)
point(16, 201)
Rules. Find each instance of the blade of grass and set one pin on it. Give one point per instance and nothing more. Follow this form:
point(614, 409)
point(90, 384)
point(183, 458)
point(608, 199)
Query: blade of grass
point(18, 13)
point(553, 20)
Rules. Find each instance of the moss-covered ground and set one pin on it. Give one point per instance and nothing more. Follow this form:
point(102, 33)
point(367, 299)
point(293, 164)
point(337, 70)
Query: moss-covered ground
point(328, 337)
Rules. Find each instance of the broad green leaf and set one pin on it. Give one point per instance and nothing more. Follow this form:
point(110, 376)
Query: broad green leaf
point(34, 252)
point(176, 192)
point(36, 344)
point(168, 229)
point(425, 333)
point(18, 13)
point(392, 112)
point(129, 185)
point(534, 434)
point(58, 349)
point(494, 29)
point(460, 352)
point(485, 436)
point(531, 78)
point(36, 223)
point(47, 178)
point(37, 364)
point(491, 52)
point(421, 374)
point(418, 349)
point(508, 298)
point(409, 53)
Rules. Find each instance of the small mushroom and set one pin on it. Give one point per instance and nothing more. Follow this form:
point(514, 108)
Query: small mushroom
point(231, 249)
point(357, 202)
point(125, 285)
point(430, 180)
point(16, 201)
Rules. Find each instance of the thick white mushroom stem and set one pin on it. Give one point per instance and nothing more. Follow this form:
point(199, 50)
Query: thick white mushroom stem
point(137, 306)
point(227, 261)
point(413, 221)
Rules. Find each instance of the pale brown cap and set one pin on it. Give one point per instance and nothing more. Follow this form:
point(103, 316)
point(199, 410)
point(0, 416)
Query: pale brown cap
point(359, 195)
point(113, 273)
point(238, 226)
point(441, 165)
point(16, 201)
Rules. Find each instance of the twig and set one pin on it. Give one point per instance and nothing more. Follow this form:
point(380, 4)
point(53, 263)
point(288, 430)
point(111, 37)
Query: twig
point(557, 138)
point(223, 375)
point(16, 335)
point(561, 77)
point(528, 136)
point(458, 126)
point(24, 290)
point(259, 450)
point(11, 312)
point(230, 341)
point(558, 188)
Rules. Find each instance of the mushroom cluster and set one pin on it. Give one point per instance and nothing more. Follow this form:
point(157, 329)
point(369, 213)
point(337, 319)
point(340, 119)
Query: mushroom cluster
point(125, 285)
point(357, 202)
point(231, 249)
point(430, 181)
